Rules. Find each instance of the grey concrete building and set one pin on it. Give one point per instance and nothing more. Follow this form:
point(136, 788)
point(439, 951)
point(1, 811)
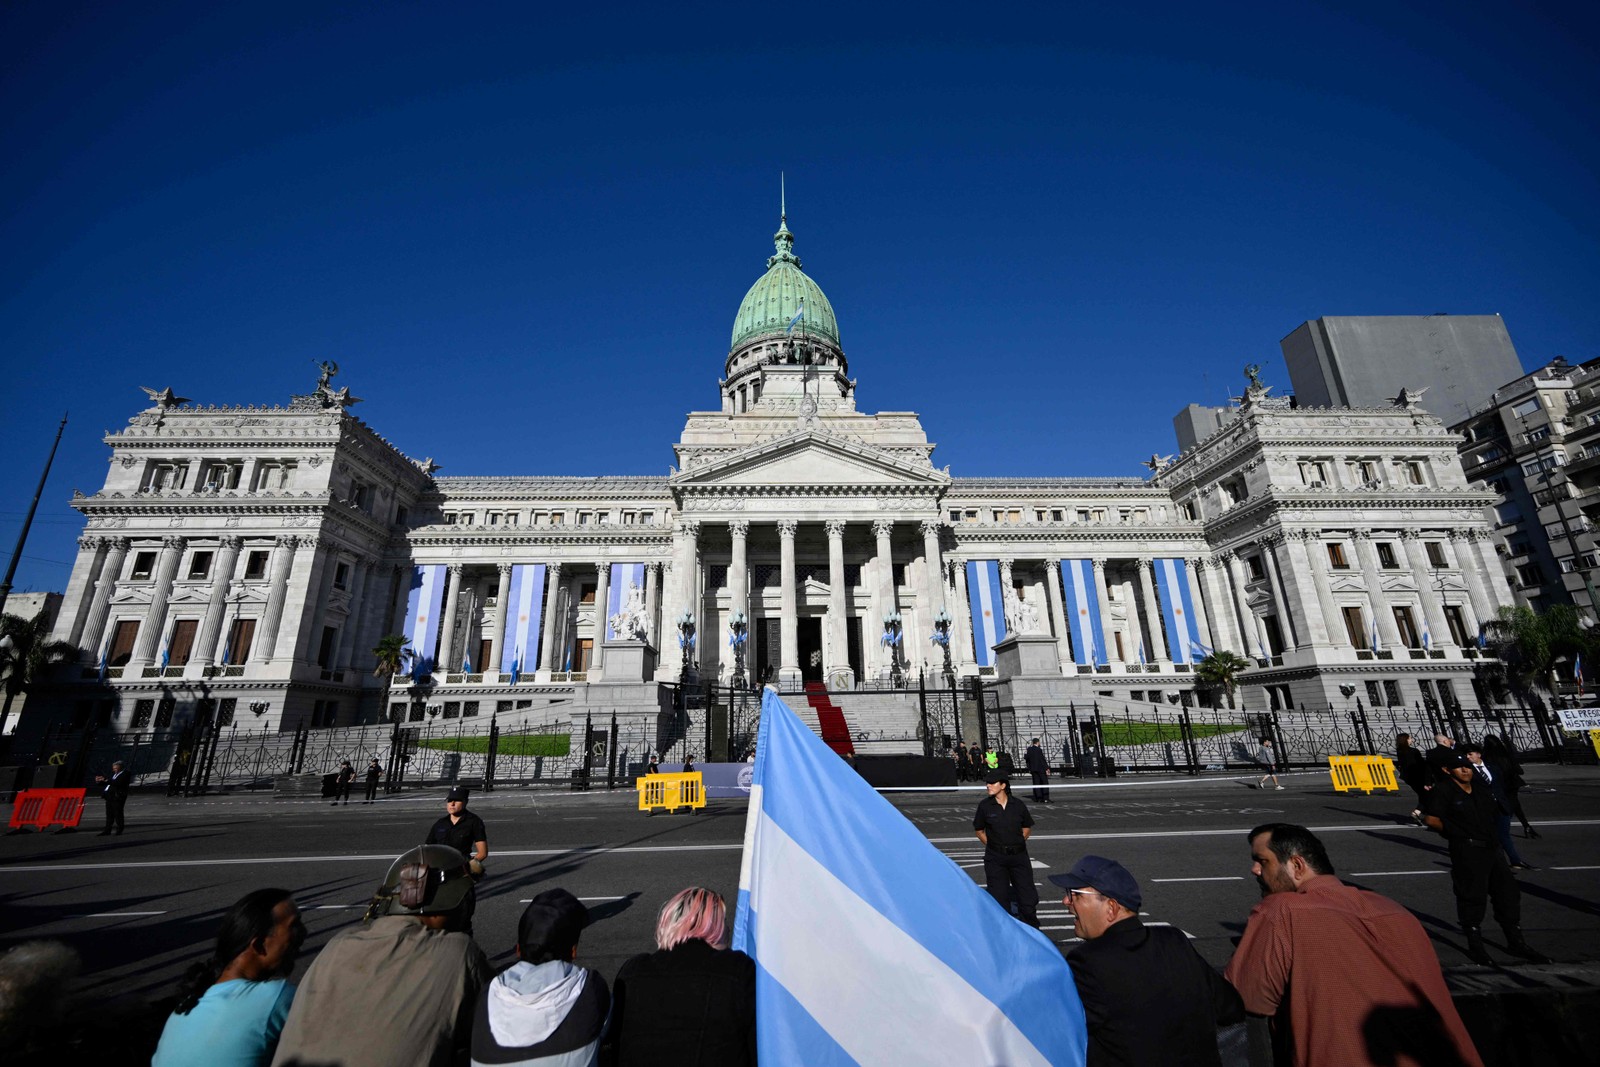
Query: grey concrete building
point(1362, 360)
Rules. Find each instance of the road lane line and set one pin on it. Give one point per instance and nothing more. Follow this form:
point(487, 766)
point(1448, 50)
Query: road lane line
point(114, 914)
point(1223, 878)
point(1574, 868)
point(1390, 874)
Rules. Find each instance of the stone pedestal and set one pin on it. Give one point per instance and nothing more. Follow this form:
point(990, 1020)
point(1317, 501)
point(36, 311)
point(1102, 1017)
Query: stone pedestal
point(1027, 656)
point(629, 662)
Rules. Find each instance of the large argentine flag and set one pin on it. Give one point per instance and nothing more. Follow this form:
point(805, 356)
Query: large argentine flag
point(872, 946)
point(1177, 608)
point(423, 610)
point(622, 575)
point(988, 609)
point(525, 600)
point(1083, 612)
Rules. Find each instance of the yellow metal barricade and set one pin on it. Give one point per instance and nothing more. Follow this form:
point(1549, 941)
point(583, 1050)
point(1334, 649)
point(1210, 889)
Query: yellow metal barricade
point(669, 792)
point(1365, 773)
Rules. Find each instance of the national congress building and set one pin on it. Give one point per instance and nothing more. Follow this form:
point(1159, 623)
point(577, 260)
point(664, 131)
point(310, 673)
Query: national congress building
point(248, 559)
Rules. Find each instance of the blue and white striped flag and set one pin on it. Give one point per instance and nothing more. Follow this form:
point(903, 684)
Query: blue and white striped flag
point(1376, 647)
point(524, 601)
point(1083, 612)
point(920, 964)
point(1177, 606)
point(1427, 636)
point(466, 663)
point(424, 603)
point(516, 668)
point(1200, 651)
point(1141, 652)
point(103, 664)
point(987, 604)
point(166, 655)
point(798, 315)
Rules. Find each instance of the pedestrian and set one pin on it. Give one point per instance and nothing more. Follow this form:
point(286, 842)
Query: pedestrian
point(654, 766)
point(1442, 753)
point(688, 764)
point(963, 764)
point(1006, 764)
point(1466, 814)
point(1413, 771)
point(1039, 767)
point(979, 766)
point(231, 1007)
point(398, 989)
point(1346, 977)
point(545, 1008)
point(1148, 996)
point(463, 831)
point(374, 772)
point(341, 784)
point(991, 759)
point(1494, 780)
point(1499, 755)
point(1003, 824)
point(115, 790)
point(692, 1001)
point(1268, 759)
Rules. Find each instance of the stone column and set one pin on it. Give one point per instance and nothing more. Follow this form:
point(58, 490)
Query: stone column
point(1007, 591)
point(788, 610)
point(1202, 614)
point(933, 566)
point(1494, 574)
point(961, 631)
point(1219, 607)
point(1280, 598)
point(739, 567)
point(1135, 627)
point(79, 595)
point(1110, 651)
point(1310, 546)
point(1058, 611)
point(685, 536)
point(217, 606)
point(602, 618)
point(883, 594)
point(308, 587)
point(1249, 624)
point(1313, 623)
point(652, 602)
point(502, 615)
point(447, 660)
point(277, 593)
point(1157, 650)
point(1427, 592)
point(155, 616)
point(838, 643)
point(1372, 575)
point(547, 633)
point(350, 633)
point(1480, 603)
point(100, 606)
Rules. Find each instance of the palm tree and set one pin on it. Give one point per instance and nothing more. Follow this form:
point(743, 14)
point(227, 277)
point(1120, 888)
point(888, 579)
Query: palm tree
point(1528, 644)
point(391, 657)
point(1221, 670)
point(26, 654)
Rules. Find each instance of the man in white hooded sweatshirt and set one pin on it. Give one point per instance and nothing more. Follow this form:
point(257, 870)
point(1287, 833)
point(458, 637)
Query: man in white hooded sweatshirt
point(545, 1009)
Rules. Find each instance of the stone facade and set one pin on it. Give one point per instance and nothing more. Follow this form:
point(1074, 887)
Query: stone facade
point(248, 559)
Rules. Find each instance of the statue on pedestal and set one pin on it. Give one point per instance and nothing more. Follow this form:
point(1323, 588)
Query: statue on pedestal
point(629, 624)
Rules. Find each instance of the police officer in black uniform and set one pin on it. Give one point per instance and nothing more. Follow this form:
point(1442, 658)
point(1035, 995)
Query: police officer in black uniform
point(1003, 825)
point(463, 831)
point(1466, 812)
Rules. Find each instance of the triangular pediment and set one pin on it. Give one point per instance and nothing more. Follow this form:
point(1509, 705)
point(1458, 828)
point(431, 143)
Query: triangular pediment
point(810, 458)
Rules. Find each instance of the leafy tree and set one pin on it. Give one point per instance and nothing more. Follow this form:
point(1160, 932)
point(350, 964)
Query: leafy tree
point(392, 656)
point(1221, 670)
point(28, 656)
point(1528, 644)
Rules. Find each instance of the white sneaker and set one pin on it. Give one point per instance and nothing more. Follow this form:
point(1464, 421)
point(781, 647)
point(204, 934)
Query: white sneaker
point(1277, 787)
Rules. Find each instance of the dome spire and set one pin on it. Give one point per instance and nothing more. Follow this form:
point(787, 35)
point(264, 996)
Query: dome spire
point(783, 240)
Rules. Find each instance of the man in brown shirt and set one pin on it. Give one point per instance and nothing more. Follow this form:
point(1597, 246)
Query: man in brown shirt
point(1347, 977)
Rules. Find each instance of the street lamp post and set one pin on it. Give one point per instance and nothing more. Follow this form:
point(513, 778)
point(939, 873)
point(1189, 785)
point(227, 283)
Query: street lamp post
point(941, 637)
point(738, 629)
point(893, 632)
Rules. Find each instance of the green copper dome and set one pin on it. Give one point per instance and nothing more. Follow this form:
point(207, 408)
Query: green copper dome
point(772, 301)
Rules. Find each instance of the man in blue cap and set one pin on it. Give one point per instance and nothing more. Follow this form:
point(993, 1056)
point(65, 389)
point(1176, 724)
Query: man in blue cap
point(1147, 995)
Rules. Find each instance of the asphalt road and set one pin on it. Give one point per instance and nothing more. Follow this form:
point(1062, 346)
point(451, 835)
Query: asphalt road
point(140, 907)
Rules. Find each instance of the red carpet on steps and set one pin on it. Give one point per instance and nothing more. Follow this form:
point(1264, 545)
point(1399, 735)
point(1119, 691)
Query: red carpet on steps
point(835, 731)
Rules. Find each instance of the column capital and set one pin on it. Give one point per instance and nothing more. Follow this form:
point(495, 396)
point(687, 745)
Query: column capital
point(739, 527)
point(787, 528)
point(1143, 565)
point(1098, 563)
point(1361, 535)
point(289, 541)
point(503, 568)
point(882, 527)
point(231, 541)
point(656, 565)
point(688, 528)
point(1411, 535)
point(553, 569)
point(931, 527)
point(119, 543)
point(1274, 539)
point(173, 543)
point(603, 567)
point(90, 543)
point(835, 528)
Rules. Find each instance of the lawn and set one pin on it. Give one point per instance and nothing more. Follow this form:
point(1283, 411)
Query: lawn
point(510, 744)
point(1133, 732)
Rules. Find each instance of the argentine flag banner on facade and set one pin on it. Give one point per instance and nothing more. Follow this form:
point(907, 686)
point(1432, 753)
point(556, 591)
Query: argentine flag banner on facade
point(872, 946)
point(1177, 607)
point(423, 605)
point(988, 606)
point(1083, 612)
point(525, 601)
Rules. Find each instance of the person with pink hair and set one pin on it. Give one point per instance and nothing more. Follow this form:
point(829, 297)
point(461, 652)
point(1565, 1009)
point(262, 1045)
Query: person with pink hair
point(692, 1001)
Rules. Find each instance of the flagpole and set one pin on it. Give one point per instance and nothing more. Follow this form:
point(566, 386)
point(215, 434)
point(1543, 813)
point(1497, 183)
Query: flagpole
point(27, 523)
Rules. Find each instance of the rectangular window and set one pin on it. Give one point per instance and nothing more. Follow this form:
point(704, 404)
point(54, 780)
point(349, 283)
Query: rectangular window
point(955, 516)
point(582, 653)
point(1055, 515)
point(1530, 575)
point(1374, 694)
point(451, 518)
point(240, 636)
point(1458, 625)
point(469, 708)
point(1274, 634)
point(330, 634)
point(181, 646)
point(227, 707)
point(164, 712)
point(1336, 556)
point(558, 518)
point(647, 518)
point(452, 709)
point(143, 564)
point(1523, 408)
point(1355, 627)
point(255, 565)
point(1186, 509)
point(1435, 554)
point(401, 515)
point(1391, 692)
point(121, 648)
point(1386, 556)
point(341, 576)
point(143, 712)
point(492, 518)
point(1408, 628)
point(1414, 473)
point(1257, 568)
point(586, 594)
point(1447, 692)
point(199, 565)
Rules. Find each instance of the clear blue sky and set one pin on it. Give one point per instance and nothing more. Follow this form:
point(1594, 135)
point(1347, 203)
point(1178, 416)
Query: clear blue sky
point(523, 232)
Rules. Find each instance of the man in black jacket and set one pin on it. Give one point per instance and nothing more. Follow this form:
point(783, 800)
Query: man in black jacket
point(115, 790)
point(1147, 995)
point(1039, 769)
